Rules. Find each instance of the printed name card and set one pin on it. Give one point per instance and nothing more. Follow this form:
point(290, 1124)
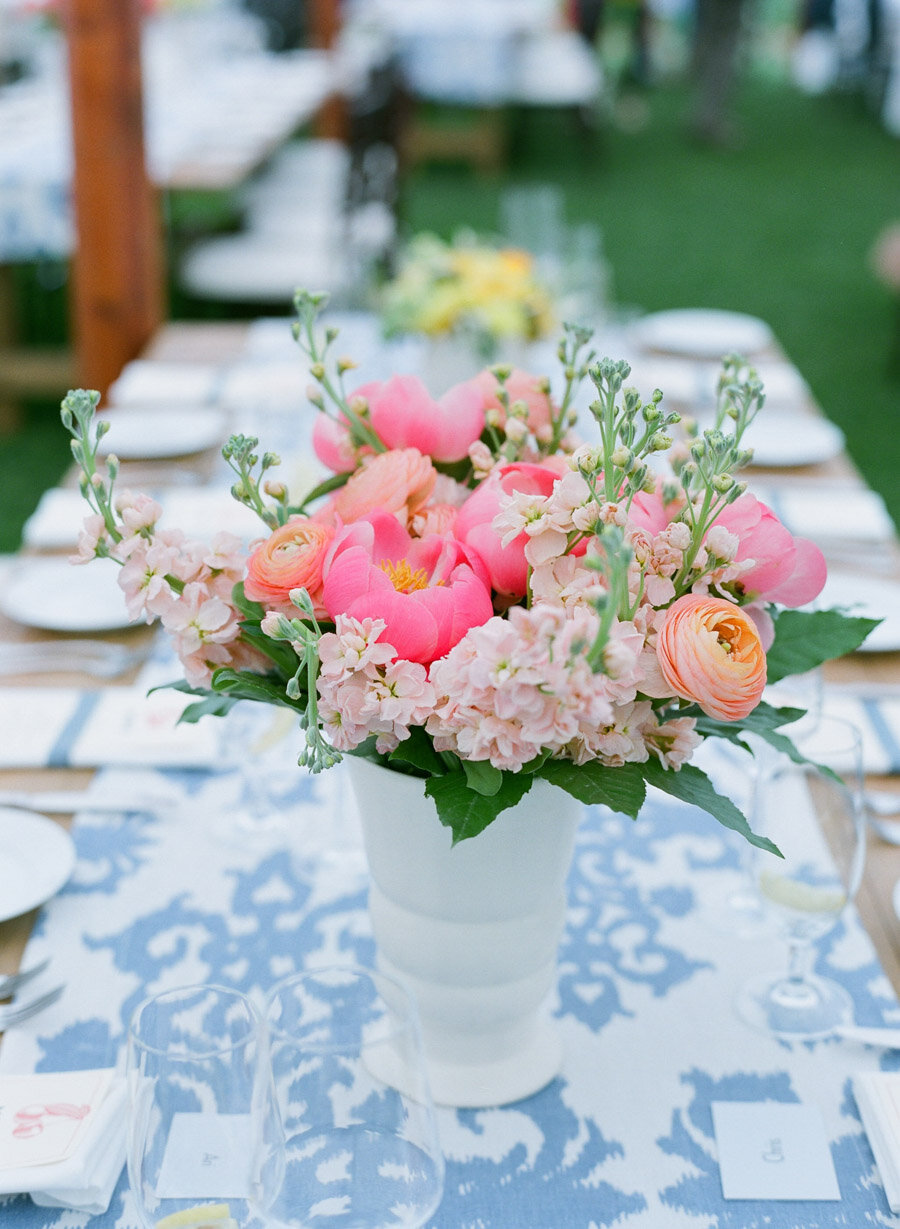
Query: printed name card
point(772, 1150)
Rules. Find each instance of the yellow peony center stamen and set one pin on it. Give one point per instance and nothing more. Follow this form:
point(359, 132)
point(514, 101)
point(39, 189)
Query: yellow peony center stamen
point(404, 578)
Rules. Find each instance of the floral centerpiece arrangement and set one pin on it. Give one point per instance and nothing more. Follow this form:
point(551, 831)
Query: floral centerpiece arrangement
point(468, 288)
point(478, 600)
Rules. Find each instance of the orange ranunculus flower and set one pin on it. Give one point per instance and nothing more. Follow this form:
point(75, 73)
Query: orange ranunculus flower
point(399, 482)
point(709, 650)
point(290, 558)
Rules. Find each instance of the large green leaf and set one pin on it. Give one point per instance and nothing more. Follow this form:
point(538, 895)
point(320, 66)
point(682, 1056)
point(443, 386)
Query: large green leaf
point(621, 789)
point(483, 777)
point(805, 639)
point(692, 785)
point(465, 812)
point(245, 685)
point(418, 751)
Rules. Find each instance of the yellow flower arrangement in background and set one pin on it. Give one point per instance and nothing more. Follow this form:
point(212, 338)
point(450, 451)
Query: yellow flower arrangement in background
point(467, 287)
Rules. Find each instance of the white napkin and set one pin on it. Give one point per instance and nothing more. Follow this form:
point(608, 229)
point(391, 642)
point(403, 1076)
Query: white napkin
point(87, 1169)
point(67, 727)
point(146, 381)
point(878, 1097)
point(201, 512)
point(828, 512)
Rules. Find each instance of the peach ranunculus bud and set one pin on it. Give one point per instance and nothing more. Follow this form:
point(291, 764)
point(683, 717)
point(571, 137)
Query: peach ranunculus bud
point(710, 651)
point(290, 558)
point(399, 482)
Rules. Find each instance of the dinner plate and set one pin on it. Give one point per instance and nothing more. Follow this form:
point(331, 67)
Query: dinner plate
point(55, 595)
point(702, 333)
point(871, 597)
point(145, 434)
point(37, 857)
point(785, 439)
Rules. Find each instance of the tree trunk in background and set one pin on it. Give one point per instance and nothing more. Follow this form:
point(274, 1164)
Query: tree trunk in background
point(117, 294)
point(324, 27)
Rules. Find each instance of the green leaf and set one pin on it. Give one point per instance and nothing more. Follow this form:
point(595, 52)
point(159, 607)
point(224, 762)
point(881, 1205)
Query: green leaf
point(250, 610)
point(465, 812)
point(279, 652)
point(692, 785)
point(212, 706)
point(805, 639)
point(245, 685)
point(418, 751)
point(621, 789)
point(483, 777)
point(324, 488)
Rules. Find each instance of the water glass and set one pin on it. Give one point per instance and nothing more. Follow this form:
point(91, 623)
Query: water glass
point(807, 890)
point(360, 1147)
point(200, 1107)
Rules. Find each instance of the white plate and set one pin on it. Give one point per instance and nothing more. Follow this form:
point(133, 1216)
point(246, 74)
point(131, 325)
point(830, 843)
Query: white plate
point(702, 333)
point(792, 439)
point(871, 597)
point(145, 434)
point(37, 857)
point(58, 596)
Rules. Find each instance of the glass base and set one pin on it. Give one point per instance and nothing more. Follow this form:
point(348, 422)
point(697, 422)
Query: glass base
point(794, 1010)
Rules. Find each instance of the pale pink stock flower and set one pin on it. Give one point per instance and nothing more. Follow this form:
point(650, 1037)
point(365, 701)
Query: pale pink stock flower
point(364, 689)
point(93, 532)
point(565, 580)
point(354, 645)
point(136, 511)
point(673, 742)
point(202, 627)
point(516, 685)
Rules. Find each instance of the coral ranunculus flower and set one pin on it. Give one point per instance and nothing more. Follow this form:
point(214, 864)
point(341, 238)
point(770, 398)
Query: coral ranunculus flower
point(710, 651)
point(423, 588)
point(290, 558)
point(398, 482)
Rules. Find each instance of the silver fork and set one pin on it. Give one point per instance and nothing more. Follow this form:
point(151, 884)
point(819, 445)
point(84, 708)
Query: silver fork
point(12, 982)
point(18, 1013)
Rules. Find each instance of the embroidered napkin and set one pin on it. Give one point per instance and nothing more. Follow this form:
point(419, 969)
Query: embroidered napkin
point(62, 1137)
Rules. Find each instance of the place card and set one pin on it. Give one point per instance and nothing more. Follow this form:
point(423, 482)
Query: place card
point(206, 1157)
point(773, 1150)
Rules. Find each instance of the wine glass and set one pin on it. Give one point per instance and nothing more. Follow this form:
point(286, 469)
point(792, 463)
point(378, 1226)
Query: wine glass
point(360, 1148)
point(201, 1113)
point(814, 813)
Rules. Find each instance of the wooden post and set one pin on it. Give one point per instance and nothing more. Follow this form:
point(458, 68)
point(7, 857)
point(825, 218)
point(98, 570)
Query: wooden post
point(324, 27)
point(117, 292)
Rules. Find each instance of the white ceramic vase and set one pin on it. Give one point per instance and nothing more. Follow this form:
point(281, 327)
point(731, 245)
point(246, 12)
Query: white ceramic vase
point(472, 930)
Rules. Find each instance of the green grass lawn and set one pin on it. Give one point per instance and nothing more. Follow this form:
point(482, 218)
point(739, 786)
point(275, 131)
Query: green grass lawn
point(780, 228)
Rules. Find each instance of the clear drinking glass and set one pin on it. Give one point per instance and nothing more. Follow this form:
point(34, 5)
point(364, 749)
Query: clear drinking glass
point(813, 812)
point(358, 1152)
point(201, 1114)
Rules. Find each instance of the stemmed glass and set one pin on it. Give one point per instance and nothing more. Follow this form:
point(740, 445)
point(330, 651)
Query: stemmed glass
point(360, 1147)
point(201, 1113)
point(813, 812)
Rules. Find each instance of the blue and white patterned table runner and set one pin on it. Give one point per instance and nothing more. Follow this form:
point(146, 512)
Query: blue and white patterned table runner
point(647, 978)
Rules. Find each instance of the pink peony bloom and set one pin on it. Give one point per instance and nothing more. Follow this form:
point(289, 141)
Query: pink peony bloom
point(710, 651)
point(521, 386)
point(506, 564)
point(333, 446)
point(787, 570)
point(404, 415)
point(290, 558)
point(423, 588)
point(399, 482)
